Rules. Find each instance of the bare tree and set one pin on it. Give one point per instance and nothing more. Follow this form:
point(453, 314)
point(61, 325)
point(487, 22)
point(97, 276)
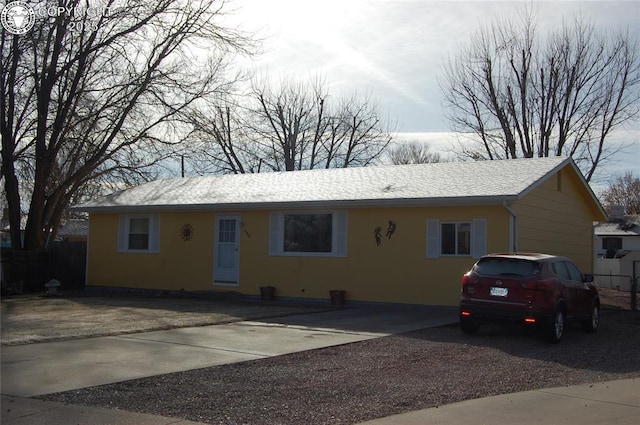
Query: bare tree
point(523, 94)
point(413, 152)
point(286, 120)
point(624, 191)
point(293, 125)
point(94, 93)
point(357, 135)
point(218, 140)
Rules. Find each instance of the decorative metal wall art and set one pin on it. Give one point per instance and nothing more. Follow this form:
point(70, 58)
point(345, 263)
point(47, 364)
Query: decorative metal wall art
point(377, 232)
point(186, 232)
point(391, 229)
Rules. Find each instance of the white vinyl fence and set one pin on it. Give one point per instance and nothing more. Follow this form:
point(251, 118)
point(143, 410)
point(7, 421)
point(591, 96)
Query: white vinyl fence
point(610, 267)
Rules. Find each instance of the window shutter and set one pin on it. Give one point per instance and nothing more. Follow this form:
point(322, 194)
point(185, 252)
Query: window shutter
point(275, 233)
point(433, 238)
point(341, 233)
point(123, 233)
point(479, 235)
point(154, 233)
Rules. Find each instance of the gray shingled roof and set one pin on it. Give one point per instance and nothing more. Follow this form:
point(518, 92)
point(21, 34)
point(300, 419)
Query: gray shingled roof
point(424, 184)
point(623, 226)
point(74, 227)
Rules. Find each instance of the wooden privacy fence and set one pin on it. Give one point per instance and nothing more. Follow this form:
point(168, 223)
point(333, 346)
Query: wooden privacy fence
point(68, 263)
point(26, 271)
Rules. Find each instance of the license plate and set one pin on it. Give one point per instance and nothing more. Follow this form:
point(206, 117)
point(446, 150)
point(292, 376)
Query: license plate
point(499, 292)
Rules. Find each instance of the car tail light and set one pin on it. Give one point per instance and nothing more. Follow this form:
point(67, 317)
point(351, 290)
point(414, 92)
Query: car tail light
point(467, 284)
point(468, 279)
point(465, 313)
point(530, 320)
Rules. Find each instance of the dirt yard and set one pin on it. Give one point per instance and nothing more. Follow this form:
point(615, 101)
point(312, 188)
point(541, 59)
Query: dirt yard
point(29, 319)
point(615, 298)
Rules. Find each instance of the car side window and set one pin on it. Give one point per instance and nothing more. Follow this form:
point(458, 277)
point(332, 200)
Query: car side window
point(573, 272)
point(560, 270)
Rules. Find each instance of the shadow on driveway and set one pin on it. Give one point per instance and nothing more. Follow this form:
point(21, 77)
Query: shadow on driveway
point(613, 348)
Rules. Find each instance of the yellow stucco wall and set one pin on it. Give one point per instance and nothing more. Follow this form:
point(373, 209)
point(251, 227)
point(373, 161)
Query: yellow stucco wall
point(556, 218)
point(179, 265)
point(396, 271)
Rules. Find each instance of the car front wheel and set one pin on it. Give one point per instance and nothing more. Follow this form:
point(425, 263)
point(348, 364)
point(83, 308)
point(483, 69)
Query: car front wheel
point(591, 324)
point(555, 327)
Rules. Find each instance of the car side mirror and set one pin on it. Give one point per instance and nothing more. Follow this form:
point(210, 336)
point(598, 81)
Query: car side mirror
point(587, 278)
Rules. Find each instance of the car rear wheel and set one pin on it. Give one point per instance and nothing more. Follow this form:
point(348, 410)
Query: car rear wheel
point(469, 326)
point(555, 327)
point(591, 324)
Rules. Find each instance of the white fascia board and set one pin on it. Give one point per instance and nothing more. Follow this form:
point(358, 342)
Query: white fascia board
point(360, 203)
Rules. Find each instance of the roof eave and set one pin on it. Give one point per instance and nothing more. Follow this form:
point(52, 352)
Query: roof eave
point(330, 204)
point(620, 234)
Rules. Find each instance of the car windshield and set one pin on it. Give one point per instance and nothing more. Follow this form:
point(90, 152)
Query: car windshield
point(507, 267)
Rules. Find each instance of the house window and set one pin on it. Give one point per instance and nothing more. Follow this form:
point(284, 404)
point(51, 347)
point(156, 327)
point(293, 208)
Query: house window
point(460, 238)
point(138, 233)
point(455, 239)
point(308, 233)
point(612, 246)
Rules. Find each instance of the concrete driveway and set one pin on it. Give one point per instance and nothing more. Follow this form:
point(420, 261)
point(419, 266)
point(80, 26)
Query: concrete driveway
point(44, 368)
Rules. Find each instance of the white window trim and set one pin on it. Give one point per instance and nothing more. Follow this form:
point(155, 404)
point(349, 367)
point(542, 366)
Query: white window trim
point(338, 234)
point(124, 223)
point(478, 238)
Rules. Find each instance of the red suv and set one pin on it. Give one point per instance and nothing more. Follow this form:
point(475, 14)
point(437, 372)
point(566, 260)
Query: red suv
point(540, 289)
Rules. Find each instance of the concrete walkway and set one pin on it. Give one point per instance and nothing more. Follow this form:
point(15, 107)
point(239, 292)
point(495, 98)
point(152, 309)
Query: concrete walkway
point(604, 403)
point(38, 369)
point(29, 411)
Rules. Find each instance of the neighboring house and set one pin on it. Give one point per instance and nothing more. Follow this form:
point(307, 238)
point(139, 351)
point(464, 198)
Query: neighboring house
point(618, 236)
point(5, 235)
point(618, 251)
point(402, 234)
point(74, 230)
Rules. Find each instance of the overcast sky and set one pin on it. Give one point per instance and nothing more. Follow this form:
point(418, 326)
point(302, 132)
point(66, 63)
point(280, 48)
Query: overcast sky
point(395, 49)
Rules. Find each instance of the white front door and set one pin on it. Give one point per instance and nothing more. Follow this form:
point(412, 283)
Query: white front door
point(225, 262)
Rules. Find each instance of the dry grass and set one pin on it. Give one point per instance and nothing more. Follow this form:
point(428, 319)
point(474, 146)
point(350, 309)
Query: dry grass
point(29, 319)
point(615, 298)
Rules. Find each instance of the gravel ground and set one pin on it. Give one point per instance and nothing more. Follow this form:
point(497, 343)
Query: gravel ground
point(366, 380)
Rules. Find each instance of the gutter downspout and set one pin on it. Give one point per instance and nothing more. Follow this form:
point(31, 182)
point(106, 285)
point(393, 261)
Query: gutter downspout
point(513, 228)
